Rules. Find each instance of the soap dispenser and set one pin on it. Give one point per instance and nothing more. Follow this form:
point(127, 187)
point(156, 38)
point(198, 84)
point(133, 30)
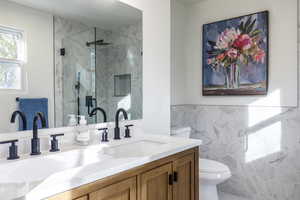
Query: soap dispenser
point(72, 120)
point(83, 133)
point(82, 120)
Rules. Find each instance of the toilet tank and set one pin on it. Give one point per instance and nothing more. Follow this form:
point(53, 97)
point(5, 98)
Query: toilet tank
point(181, 132)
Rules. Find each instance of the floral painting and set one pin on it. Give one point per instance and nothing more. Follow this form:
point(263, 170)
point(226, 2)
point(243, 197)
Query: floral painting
point(235, 56)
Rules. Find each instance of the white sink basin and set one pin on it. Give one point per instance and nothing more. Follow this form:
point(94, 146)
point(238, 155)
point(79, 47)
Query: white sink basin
point(39, 168)
point(135, 149)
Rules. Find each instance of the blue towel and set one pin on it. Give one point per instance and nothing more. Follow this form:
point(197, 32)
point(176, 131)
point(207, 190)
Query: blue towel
point(30, 107)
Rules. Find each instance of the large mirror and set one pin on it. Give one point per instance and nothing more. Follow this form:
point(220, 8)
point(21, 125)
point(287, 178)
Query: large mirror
point(65, 58)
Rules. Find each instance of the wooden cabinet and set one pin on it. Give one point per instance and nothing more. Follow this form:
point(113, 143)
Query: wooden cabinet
point(184, 178)
point(171, 178)
point(155, 184)
point(82, 198)
point(124, 190)
point(173, 181)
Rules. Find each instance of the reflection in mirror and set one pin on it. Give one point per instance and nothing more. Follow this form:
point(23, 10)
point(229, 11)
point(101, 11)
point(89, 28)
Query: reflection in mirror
point(97, 61)
point(91, 58)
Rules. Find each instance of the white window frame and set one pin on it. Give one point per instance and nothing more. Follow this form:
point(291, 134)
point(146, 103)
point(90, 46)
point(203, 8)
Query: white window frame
point(21, 60)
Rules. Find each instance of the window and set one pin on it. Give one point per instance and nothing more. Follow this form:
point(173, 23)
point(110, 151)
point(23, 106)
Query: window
point(12, 57)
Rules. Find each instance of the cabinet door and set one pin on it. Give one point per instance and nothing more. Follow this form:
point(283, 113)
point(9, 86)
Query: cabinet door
point(125, 190)
point(184, 178)
point(155, 184)
point(82, 198)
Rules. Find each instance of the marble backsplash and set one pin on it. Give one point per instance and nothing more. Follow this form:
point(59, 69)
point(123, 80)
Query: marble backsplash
point(266, 166)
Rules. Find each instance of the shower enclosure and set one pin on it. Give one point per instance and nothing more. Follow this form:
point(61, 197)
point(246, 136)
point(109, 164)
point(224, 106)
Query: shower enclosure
point(101, 68)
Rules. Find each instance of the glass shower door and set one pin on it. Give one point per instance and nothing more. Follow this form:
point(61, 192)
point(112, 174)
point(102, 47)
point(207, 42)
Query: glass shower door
point(78, 74)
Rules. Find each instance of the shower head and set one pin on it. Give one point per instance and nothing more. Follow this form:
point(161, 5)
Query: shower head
point(98, 42)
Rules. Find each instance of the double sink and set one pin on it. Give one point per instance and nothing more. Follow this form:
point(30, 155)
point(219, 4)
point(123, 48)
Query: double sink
point(39, 168)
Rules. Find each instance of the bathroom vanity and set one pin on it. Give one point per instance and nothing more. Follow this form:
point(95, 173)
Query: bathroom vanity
point(145, 167)
point(173, 177)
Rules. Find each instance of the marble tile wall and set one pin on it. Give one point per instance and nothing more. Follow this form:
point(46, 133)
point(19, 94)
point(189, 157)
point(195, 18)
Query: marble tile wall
point(264, 167)
point(226, 196)
point(123, 56)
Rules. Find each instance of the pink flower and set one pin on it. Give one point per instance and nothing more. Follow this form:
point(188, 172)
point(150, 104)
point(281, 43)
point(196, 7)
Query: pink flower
point(259, 56)
point(243, 42)
point(209, 61)
point(226, 38)
point(232, 53)
point(221, 56)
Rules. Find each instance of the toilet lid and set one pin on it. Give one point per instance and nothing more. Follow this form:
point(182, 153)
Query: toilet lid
point(210, 166)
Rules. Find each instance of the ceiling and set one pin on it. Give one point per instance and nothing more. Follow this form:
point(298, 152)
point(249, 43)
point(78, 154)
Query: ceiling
point(106, 14)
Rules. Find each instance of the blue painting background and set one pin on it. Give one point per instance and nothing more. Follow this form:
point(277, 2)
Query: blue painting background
point(249, 74)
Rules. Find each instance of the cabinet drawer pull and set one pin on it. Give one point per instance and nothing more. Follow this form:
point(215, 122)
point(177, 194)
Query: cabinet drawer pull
point(170, 179)
point(175, 176)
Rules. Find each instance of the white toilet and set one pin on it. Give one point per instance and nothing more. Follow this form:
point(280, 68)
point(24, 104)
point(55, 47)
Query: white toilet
point(211, 173)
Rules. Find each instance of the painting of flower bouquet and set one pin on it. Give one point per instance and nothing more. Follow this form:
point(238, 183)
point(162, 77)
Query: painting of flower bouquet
point(235, 56)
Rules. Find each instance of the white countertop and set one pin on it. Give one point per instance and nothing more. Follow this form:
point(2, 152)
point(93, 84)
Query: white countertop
point(36, 178)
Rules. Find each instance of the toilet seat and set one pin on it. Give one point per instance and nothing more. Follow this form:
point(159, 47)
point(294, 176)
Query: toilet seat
point(213, 170)
point(210, 166)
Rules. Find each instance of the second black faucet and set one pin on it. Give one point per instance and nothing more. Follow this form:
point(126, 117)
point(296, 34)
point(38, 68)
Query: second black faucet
point(35, 141)
point(117, 128)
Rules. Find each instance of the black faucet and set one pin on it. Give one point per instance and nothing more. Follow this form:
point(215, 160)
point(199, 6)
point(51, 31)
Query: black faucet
point(23, 117)
point(35, 141)
point(94, 112)
point(104, 134)
point(13, 149)
point(117, 129)
point(54, 142)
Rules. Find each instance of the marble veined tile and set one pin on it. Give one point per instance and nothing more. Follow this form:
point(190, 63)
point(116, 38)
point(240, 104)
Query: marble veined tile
point(227, 196)
point(264, 167)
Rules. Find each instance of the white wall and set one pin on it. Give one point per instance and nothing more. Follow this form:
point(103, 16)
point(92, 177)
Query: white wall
point(178, 71)
point(156, 63)
point(283, 73)
point(38, 28)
